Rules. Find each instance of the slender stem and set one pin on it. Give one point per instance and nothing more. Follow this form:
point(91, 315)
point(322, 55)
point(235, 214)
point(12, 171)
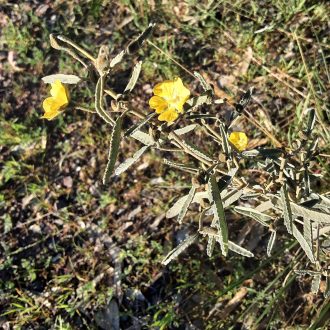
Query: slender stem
point(78, 48)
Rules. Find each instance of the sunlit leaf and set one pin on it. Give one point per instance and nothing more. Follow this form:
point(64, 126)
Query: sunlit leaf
point(130, 161)
point(186, 204)
point(179, 249)
point(114, 149)
point(134, 77)
point(271, 242)
point(63, 78)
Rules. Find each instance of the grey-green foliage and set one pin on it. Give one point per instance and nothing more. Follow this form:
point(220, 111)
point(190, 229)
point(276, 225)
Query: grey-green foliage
point(285, 201)
point(113, 149)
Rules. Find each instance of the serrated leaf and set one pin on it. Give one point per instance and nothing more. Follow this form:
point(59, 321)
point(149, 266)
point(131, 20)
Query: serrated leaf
point(195, 150)
point(271, 242)
point(137, 126)
point(134, 77)
point(117, 59)
point(227, 199)
point(327, 289)
point(114, 149)
point(179, 249)
point(130, 161)
point(210, 246)
point(177, 206)
point(244, 100)
point(225, 145)
point(307, 230)
point(136, 44)
point(239, 249)
point(262, 218)
point(99, 101)
point(325, 202)
point(304, 245)
point(195, 102)
point(298, 210)
point(180, 166)
point(301, 272)
point(212, 233)
point(316, 281)
point(250, 153)
point(186, 204)
point(219, 220)
point(63, 78)
point(311, 121)
point(263, 152)
point(203, 82)
point(185, 130)
point(143, 138)
point(287, 212)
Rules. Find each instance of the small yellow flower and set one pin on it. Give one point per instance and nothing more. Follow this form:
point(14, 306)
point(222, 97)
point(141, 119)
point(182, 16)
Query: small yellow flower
point(239, 140)
point(169, 98)
point(58, 101)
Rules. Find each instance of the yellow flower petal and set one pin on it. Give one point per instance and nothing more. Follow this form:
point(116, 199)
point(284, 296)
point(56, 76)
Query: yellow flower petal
point(239, 140)
point(158, 103)
point(165, 89)
point(168, 115)
point(59, 100)
point(170, 95)
point(59, 92)
point(51, 107)
point(181, 90)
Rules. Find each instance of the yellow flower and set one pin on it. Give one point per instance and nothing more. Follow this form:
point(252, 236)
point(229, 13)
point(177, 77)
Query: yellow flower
point(58, 101)
point(169, 98)
point(239, 140)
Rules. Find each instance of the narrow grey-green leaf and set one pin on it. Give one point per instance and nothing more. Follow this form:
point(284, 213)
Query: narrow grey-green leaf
point(195, 150)
point(203, 82)
point(325, 201)
point(327, 289)
point(239, 249)
point(302, 272)
point(179, 249)
point(197, 101)
point(262, 218)
point(219, 220)
point(143, 138)
point(225, 144)
point(311, 121)
point(99, 102)
point(314, 215)
point(114, 149)
point(210, 246)
point(271, 242)
point(63, 78)
point(117, 59)
point(250, 153)
point(287, 213)
point(137, 126)
point(316, 281)
point(185, 130)
point(136, 44)
point(232, 197)
point(177, 206)
point(134, 77)
point(186, 204)
point(304, 245)
point(180, 166)
point(130, 161)
point(307, 230)
point(228, 199)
